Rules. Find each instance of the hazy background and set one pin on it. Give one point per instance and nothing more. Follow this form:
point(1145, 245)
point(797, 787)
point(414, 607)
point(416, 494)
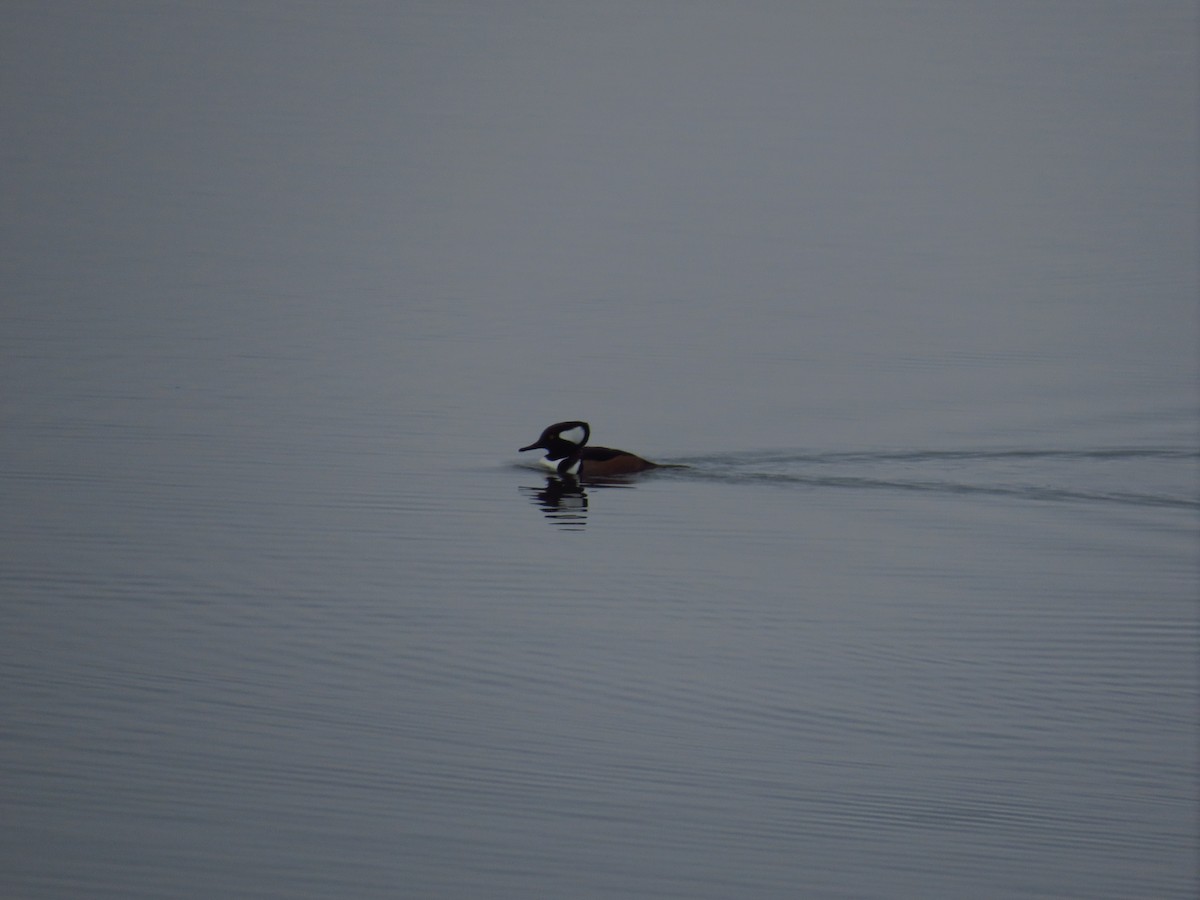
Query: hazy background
point(910, 285)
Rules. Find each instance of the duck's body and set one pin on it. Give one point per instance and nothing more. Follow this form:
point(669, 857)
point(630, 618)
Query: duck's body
point(567, 453)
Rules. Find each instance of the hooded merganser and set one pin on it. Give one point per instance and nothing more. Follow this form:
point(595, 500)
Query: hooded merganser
point(566, 453)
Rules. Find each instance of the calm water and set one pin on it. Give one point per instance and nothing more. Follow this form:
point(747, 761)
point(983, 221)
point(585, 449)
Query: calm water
point(910, 288)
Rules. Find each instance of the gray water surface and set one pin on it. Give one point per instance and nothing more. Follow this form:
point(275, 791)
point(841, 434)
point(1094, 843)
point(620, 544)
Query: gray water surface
point(906, 290)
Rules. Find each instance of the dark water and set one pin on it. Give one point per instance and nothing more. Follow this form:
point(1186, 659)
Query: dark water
point(910, 290)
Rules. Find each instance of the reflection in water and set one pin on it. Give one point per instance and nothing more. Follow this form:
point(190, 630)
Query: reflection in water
point(563, 500)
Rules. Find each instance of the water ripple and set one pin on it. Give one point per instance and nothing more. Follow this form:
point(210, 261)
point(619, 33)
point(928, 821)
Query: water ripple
point(1027, 474)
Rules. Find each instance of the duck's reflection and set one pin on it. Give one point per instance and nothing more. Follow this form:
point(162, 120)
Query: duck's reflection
point(564, 501)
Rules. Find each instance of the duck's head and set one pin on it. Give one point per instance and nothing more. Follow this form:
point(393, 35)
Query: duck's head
point(562, 439)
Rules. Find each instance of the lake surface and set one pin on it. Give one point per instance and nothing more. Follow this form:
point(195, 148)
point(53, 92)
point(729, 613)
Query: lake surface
point(908, 292)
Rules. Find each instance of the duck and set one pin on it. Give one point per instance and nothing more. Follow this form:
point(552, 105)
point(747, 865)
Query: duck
point(567, 453)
